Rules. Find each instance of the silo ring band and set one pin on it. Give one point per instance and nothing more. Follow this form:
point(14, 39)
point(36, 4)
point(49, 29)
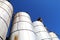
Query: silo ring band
point(1, 38)
point(38, 25)
point(46, 38)
point(54, 37)
point(24, 29)
point(4, 21)
point(22, 21)
point(41, 31)
point(7, 5)
point(21, 15)
point(6, 11)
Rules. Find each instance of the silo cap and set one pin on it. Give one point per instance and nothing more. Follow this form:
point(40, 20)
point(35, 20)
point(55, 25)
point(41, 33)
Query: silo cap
point(24, 14)
point(35, 23)
point(52, 34)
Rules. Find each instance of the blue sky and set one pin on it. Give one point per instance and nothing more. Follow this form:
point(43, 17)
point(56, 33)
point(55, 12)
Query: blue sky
point(49, 10)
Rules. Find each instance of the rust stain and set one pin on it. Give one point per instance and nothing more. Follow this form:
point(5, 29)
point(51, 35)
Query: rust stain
point(16, 37)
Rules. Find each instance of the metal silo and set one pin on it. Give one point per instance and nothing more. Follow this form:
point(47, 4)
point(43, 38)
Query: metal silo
point(41, 31)
point(22, 27)
point(53, 36)
point(6, 11)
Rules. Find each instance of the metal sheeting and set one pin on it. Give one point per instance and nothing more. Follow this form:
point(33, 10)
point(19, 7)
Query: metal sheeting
point(5, 16)
point(2, 0)
point(40, 30)
point(53, 36)
point(13, 35)
point(22, 27)
point(6, 6)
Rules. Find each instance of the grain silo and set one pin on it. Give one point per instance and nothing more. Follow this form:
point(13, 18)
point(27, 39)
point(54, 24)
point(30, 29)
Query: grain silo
point(40, 30)
point(53, 36)
point(6, 11)
point(22, 27)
